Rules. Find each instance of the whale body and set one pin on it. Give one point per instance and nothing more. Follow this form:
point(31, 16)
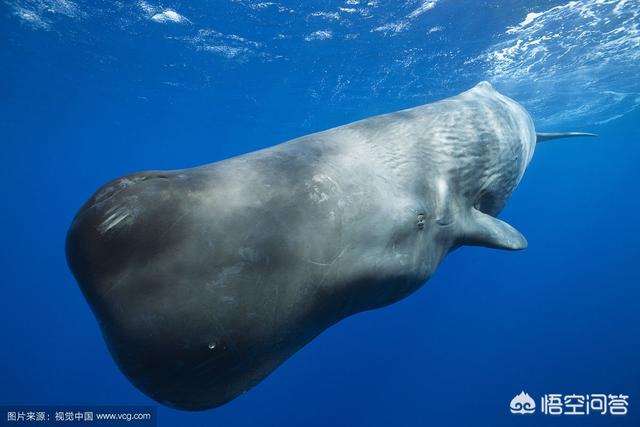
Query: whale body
point(204, 280)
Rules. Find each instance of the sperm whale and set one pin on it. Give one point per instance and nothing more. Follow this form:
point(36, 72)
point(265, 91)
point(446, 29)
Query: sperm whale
point(205, 280)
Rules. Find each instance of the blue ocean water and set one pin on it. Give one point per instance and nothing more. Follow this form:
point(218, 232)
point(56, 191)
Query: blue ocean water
point(92, 90)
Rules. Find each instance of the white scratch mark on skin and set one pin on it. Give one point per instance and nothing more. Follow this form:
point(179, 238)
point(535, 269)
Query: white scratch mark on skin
point(318, 263)
point(117, 220)
point(326, 274)
point(120, 214)
point(332, 261)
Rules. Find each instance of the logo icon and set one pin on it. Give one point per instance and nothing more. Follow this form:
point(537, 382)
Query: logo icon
point(522, 404)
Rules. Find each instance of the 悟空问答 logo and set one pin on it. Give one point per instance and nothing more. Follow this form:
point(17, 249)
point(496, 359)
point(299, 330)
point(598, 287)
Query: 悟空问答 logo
point(522, 404)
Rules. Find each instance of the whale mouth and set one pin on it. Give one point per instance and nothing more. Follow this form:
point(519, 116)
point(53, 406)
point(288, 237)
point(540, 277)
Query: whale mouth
point(488, 203)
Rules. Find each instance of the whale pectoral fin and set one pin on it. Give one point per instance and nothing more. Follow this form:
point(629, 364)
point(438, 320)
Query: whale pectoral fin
point(484, 230)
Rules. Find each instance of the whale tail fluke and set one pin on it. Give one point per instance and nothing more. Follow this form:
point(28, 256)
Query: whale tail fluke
point(542, 137)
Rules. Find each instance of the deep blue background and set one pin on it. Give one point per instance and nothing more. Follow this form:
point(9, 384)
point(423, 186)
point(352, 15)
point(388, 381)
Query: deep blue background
point(88, 100)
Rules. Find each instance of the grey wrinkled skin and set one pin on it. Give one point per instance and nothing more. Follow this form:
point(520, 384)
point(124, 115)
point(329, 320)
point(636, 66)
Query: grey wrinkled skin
point(204, 280)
